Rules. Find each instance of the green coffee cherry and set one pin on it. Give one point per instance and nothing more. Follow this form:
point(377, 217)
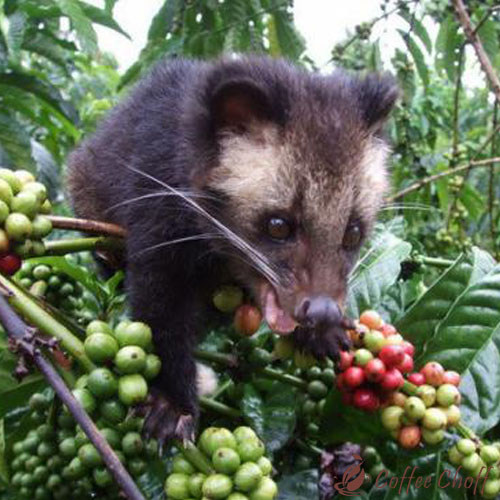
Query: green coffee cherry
point(153, 367)
point(102, 477)
point(217, 486)
point(10, 177)
point(112, 436)
point(250, 450)
point(181, 465)
point(228, 298)
point(214, 438)
point(432, 437)
point(6, 193)
point(466, 447)
point(132, 444)
point(38, 189)
point(247, 477)
point(265, 465)
point(415, 408)
point(98, 326)
point(391, 417)
point(244, 433)
point(18, 227)
point(226, 460)
point(490, 454)
point(434, 419)
point(195, 484)
point(130, 359)
point(132, 389)
point(113, 411)
point(447, 395)
point(89, 456)
point(25, 203)
point(102, 383)
point(86, 400)
point(42, 226)
point(427, 394)
point(176, 486)
point(317, 390)
point(266, 490)
point(100, 347)
point(491, 488)
point(136, 334)
point(454, 456)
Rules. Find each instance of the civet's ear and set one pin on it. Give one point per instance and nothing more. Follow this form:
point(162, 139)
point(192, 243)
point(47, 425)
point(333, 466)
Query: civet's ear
point(237, 103)
point(377, 95)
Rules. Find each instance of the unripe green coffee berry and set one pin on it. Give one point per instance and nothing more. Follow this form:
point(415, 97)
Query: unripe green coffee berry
point(181, 465)
point(132, 389)
point(101, 347)
point(471, 462)
point(226, 460)
point(218, 438)
point(89, 456)
point(243, 433)
point(491, 488)
point(6, 193)
point(374, 341)
point(317, 389)
point(102, 383)
point(454, 456)
point(25, 203)
point(391, 417)
point(217, 486)
point(153, 367)
point(132, 444)
point(130, 359)
point(453, 415)
point(427, 394)
point(250, 450)
point(466, 446)
point(362, 356)
point(415, 408)
point(102, 477)
point(195, 484)
point(10, 177)
point(135, 333)
point(434, 419)
point(98, 326)
point(247, 477)
point(18, 227)
point(447, 395)
point(228, 298)
point(432, 437)
point(266, 490)
point(490, 454)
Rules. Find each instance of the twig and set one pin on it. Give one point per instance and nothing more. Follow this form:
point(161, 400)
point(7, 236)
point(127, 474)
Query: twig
point(227, 360)
point(474, 39)
point(221, 408)
point(432, 178)
point(19, 331)
point(273, 374)
point(87, 226)
point(73, 245)
point(36, 315)
point(491, 182)
point(436, 261)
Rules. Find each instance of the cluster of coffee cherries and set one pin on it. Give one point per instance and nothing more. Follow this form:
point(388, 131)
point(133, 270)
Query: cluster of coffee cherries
point(425, 415)
point(478, 459)
point(23, 205)
point(57, 461)
point(373, 375)
point(319, 381)
point(55, 286)
point(376, 366)
point(125, 364)
point(240, 469)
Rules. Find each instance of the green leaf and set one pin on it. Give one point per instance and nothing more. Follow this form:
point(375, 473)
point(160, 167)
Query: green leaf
point(163, 21)
point(468, 341)
point(418, 57)
point(15, 36)
point(421, 320)
point(302, 485)
point(472, 200)
point(81, 24)
point(375, 272)
point(291, 42)
point(448, 41)
point(102, 17)
point(418, 28)
point(272, 417)
point(41, 89)
point(15, 141)
point(13, 395)
point(488, 33)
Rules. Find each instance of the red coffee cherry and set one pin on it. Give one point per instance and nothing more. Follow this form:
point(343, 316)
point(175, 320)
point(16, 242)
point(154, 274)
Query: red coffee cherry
point(371, 319)
point(393, 379)
point(392, 355)
point(388, 330)
point(9, 264)
point(451, 377)
point(345, 361)
point(409, 437)
point(416, 378)
point(433, 373)
point(409, 348)
point(247, 319)
point(406, 366)
point(365, 399)
point(375, 370)
point(354, 376)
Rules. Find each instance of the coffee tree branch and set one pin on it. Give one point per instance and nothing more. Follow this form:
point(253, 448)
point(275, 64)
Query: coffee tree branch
point(475, 41)
point(25, 341)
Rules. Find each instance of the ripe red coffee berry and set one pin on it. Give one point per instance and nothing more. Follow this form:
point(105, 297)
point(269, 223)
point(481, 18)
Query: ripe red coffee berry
point(392, 355)
point(409, 437)
point(365, 399)
point(371, 319)
point(392, 380)
point(433, 372)
point(416, 378)
point(388, 330)
point(451, 377)
point(354, 376)
point(406, 366)
point(375, 370)
point(9, 264)
point(409, 348)
point(345, 361)
point(247, 319)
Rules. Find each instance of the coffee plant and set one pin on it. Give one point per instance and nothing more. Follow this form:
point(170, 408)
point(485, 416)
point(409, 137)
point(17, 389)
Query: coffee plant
point(420, 389)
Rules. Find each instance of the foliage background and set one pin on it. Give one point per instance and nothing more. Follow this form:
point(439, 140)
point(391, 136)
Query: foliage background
point(55, 84)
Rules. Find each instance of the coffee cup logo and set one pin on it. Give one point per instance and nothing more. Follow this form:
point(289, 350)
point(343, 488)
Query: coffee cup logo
point(352, 479)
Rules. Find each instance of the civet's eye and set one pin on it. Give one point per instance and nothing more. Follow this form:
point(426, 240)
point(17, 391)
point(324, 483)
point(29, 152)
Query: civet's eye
point(278, 228)
point(352, 236)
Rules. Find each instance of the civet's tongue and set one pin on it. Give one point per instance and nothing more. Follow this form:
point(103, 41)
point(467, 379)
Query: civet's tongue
point(278, 320)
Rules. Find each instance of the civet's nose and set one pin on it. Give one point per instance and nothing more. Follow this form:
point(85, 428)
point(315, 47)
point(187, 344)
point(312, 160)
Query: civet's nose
point(318, 310)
